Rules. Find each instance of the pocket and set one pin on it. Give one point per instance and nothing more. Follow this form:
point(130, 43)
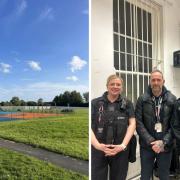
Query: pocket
point(121, 128)
point(100, 132)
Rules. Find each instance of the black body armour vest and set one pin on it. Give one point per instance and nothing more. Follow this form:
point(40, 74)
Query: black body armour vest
point(111, 122)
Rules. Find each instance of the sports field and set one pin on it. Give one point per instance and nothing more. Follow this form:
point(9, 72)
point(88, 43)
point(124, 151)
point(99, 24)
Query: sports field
point(67, 134)
point(26, 115)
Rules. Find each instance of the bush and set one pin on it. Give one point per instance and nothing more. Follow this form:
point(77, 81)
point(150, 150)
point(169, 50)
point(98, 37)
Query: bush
point(67, 110)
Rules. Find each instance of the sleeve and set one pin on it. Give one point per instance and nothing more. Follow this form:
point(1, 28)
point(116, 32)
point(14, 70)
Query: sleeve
point(130, 109)
point(143, 133)
point(168, 137)
point(175, 123)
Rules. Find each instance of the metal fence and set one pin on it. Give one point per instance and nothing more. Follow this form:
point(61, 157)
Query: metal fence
point(27, 112)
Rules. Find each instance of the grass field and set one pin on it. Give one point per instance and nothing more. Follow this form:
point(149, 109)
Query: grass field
point(15, 166)
point(66, 134)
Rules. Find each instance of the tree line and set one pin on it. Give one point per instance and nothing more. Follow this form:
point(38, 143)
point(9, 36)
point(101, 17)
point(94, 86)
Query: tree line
point(67, 98)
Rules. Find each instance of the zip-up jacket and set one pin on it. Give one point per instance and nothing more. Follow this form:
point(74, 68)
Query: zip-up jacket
point(146, 118)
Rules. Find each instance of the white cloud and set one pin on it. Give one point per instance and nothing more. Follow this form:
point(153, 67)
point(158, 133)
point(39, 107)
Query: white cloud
point(72, 78)
point(47, 14)
point(21, 7)
point(34, 65)
point(34, 91)
point(77, 63)
point(5, 68)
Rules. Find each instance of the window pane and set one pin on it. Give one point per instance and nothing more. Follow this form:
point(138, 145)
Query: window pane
point(150, 65)
point(139, 48)
point(140, 64)
point(139, 23)
point(145, 49)
point(129, 86)
point(121, 16)
point(129, 62)
point(133, 63)
point(135, 87)
point(145, 83)
point(129, 44)
point(145, 65)
point(132, 18)
point(115, 15)
point(150, 51)
point(116, 60)
point(123, 76)
point(144, 26)
point(128, 19)
point(116, 42)
point(149, 28)
point(140, 84)
point(122, 61)
point(122, 44)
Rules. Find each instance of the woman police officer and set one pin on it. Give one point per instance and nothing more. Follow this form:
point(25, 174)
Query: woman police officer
point(113, 125)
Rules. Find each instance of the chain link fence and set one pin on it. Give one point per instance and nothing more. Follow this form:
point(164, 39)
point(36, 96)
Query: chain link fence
point(30, 112)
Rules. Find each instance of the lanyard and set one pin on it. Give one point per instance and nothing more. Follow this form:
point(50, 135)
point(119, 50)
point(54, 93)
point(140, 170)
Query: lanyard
point(157, 107)
point(101, 109)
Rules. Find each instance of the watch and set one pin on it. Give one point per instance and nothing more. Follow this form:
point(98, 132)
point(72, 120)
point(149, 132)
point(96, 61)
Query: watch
point(124, 147)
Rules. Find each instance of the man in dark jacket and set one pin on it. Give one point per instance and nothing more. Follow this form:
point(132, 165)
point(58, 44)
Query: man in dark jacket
point(154, 111)
point(176, 122)
point(176, 131)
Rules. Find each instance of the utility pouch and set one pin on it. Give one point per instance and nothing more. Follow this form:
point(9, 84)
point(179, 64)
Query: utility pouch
point(100, 131)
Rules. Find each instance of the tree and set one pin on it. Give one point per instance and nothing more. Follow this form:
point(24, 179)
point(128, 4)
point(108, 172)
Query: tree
point(56, 101)
point(76, 98)
point(31, 103)
point(66, 98)
point(15, 101)
point(86, 96)
point(22, 103)
point(40, 102)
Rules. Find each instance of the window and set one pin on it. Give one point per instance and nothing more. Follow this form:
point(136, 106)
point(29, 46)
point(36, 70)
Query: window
point(137, 43)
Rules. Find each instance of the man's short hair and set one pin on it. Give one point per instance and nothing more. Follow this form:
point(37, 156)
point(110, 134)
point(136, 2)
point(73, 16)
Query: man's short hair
point(157, 70)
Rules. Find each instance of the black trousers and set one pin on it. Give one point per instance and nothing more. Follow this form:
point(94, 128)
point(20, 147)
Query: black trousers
point(147, 163)
point(118, 165)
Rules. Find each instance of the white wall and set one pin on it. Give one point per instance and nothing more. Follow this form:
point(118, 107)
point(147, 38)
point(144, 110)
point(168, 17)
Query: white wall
point(171, 44)
point(101, 45)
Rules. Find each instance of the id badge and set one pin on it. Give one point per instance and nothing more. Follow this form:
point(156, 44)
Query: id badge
point(158, 127)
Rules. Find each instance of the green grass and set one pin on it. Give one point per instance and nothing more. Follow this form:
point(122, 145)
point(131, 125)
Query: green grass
point(15, 166)
point(66, 134)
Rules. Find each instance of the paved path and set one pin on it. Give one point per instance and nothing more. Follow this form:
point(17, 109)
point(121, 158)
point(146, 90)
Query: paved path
point(54, 158)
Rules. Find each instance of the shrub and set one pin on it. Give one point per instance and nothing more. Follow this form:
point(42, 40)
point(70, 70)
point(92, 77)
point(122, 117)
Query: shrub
point(67, 110)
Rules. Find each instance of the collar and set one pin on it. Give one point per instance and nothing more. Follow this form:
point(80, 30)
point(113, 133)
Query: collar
point(148, 94)
point(119, 99)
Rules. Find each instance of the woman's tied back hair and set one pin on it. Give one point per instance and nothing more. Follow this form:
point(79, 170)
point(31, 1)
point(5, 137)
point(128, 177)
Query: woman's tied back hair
point(114, 76)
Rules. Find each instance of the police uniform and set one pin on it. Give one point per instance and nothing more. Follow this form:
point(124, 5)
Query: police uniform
point(109, 124)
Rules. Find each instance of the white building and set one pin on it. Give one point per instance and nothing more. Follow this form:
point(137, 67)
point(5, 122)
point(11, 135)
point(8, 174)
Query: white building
point(131, 37)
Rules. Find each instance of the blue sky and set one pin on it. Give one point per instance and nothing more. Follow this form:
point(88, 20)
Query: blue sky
point(43, 48)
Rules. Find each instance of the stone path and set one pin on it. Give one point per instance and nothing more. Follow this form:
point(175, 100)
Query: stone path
point(54, 158)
